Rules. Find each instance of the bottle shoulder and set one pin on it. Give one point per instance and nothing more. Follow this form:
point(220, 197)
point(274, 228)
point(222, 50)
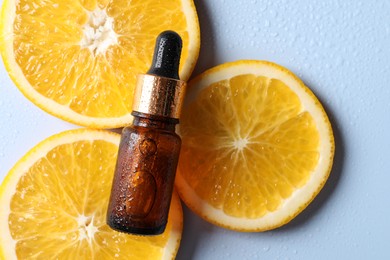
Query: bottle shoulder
point(142, 130)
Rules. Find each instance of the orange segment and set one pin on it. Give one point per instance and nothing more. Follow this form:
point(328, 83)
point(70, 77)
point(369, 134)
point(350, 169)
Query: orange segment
point(78, 60)
point(256, 144)
point(54, 203)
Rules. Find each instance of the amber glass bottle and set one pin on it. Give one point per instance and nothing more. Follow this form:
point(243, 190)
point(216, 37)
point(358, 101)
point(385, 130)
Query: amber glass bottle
point(149, 149)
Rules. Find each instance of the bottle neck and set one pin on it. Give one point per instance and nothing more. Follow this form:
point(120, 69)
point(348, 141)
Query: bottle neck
point(152, 121)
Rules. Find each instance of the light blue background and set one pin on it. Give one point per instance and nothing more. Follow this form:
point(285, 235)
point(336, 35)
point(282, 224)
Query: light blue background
point(341, 50)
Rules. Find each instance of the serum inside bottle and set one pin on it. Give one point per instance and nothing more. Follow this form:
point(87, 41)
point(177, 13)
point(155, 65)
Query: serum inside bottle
point(149, 149)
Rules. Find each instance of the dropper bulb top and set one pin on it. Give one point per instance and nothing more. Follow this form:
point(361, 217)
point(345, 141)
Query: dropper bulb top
point(166, 58)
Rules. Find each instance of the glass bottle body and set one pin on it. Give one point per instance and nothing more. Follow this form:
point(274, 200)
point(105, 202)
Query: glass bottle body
point(144, 175)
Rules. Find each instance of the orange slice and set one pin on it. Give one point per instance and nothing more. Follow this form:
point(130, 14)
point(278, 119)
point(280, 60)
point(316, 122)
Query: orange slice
point(78, 60)
point(257, 146)
point(53, 204)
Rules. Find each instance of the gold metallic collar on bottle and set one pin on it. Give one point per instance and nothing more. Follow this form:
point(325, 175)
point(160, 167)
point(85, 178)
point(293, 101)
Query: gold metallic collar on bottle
point(159, 96)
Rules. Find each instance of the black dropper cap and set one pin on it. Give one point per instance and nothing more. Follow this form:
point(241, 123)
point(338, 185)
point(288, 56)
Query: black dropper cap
point(166, 58)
